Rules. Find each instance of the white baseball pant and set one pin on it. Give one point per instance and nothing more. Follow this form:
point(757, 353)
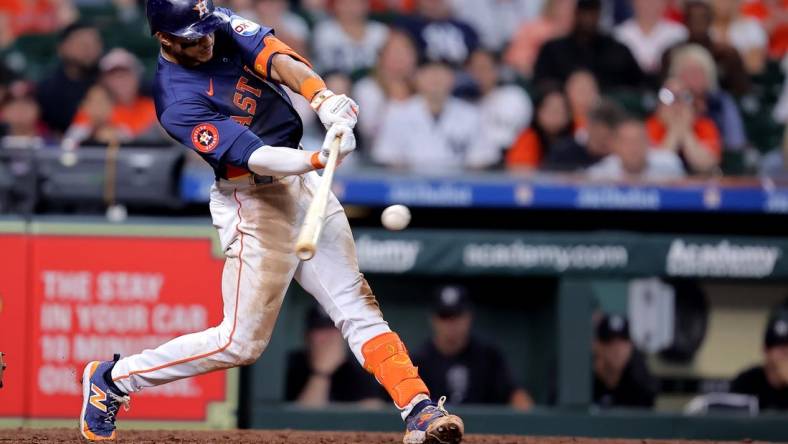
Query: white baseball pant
point(258, 225)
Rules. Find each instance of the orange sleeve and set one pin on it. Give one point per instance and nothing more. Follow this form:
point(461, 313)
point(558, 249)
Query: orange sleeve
point(706, 132)
point(271, 47)
point(526, 151)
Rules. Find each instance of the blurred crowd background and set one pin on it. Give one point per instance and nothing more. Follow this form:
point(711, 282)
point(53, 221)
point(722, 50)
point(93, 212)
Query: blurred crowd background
point(615, 89)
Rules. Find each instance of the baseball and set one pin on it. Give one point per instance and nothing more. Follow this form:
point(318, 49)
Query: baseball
point(395, 217)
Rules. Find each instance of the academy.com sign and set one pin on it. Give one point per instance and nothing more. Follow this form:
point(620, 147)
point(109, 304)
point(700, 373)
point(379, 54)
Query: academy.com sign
point(722, 259)
point(545, 256)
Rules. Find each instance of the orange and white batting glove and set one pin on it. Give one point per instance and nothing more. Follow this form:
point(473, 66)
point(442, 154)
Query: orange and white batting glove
point(347, 144)
point(335, 109)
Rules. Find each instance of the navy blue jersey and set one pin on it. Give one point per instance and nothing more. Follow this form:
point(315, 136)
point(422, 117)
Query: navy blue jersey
point(226, 108)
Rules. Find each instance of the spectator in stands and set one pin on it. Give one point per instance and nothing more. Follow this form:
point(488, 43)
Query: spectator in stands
point(676, 126)
point(694, 66)
point(20, 115)
point(37, 16)
point(433, 131)
point(7, 36)
point(495, 20)
point(588, 47)
point(61, 92)
point(440, 36)
point(632, 157)
point(675, 11)
point(621, 376)
point(570, 154)
point(582, 91)
point(129, 11)
point(323, 371)
point(698, 18)
point(348, 41)
point(6, 77)
point(648, 34)
point(773, 16)
point(133, 115)
point(552, 122)
point(769, 382)
point(289, 26)
point(312, 10)
point(556, 20)
point(505, 109)
point(390, 81)
point(456, 362)
point(244, 8)
point(743, 33)
point(396, 6)
point(98, 127)
point(775, 163)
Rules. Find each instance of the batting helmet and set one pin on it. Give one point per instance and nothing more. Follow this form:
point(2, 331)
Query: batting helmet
point(190, 19)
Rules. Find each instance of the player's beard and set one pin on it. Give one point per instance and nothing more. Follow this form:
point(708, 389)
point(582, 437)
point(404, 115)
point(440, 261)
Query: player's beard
point(200, 54)
point(196, 54)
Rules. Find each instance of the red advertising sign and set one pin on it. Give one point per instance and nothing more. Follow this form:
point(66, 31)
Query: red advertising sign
point(95, 296)
point(14, 325)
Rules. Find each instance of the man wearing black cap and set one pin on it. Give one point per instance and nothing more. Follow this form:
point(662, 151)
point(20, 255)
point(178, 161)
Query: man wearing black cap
point(587, 47)
point(769, 382)
point(59, 94)
point(455, 362)
point(621, 377)
point(321, 372)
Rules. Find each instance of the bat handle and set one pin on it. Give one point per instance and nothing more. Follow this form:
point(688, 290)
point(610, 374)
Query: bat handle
point(306, 245)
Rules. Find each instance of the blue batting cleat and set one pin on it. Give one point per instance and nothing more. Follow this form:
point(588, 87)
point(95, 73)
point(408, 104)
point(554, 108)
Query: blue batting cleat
point(433, 425)
point(101, 400)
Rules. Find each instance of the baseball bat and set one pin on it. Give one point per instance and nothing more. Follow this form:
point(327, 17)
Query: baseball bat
point(306, 245)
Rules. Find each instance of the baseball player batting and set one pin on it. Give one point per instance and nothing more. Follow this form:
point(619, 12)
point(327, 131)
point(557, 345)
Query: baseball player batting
point(218, 90)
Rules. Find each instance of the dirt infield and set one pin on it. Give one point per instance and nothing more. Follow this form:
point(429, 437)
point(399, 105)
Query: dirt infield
point(67, 436)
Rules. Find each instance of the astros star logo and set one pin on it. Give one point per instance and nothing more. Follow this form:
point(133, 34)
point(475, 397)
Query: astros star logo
point(201, 7)
point(205, 137)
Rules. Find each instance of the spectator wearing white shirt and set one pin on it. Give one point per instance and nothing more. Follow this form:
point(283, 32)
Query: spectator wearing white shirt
point(390, 81)
point(505, 109)
point(349, 41)
point(648, 34)
point(433, 131)
point(632, 158)
point(496, 20)
point(743, 33)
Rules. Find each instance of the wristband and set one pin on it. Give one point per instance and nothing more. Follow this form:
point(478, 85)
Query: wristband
point(320, 98)
point(314, 159)
point(311, 87)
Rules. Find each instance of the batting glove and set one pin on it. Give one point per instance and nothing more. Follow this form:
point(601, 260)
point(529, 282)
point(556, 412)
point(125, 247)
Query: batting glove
point(335, 109)
point(347, 144)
